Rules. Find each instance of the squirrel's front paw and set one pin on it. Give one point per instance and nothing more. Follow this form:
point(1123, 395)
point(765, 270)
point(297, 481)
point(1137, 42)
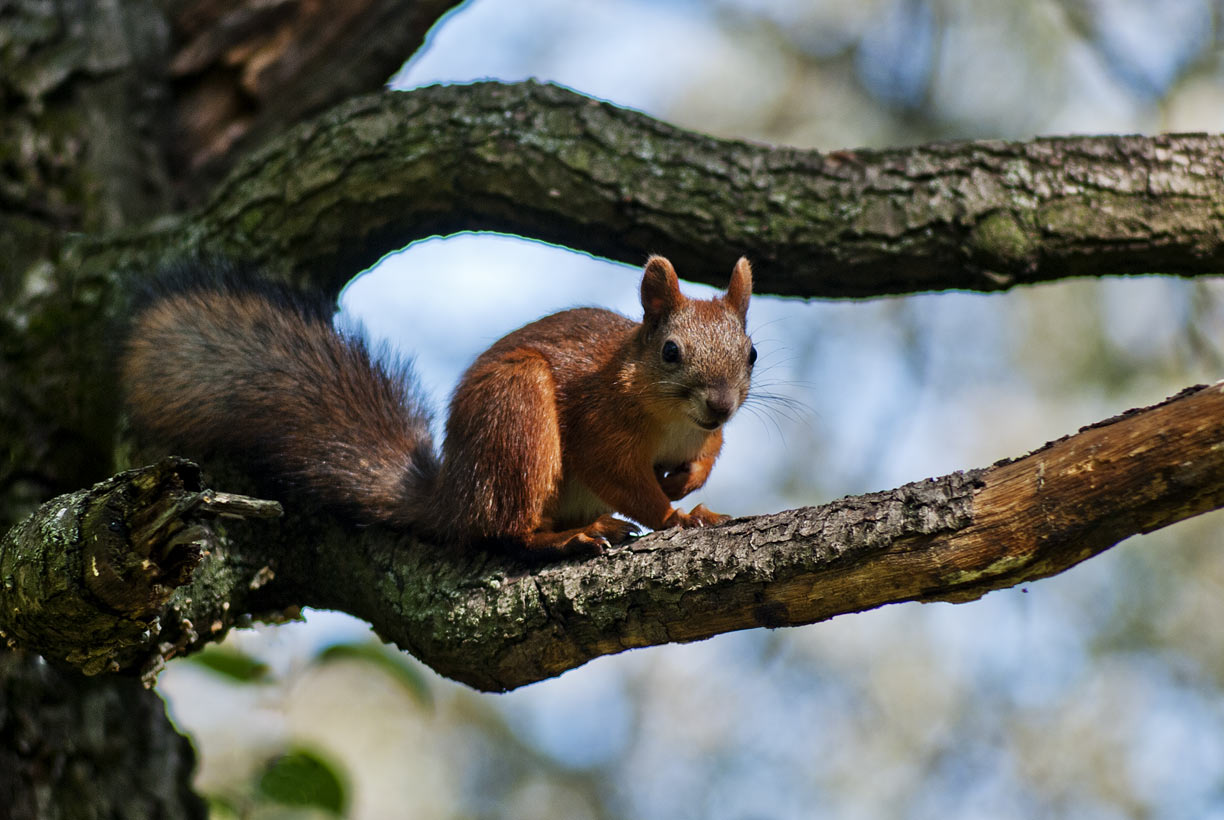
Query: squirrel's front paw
point(699, 516)
point(707, 517)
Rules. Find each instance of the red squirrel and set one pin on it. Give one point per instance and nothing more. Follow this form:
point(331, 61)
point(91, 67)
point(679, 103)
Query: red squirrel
point(556, 426)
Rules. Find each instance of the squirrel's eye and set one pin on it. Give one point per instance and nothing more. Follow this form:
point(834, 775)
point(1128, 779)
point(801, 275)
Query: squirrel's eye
point(751, 355)
point(671, 352)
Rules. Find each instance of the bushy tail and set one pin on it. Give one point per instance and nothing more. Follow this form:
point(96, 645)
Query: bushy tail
point(218, 363)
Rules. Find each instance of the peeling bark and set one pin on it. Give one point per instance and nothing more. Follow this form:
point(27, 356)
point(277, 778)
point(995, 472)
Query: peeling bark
point(243, 68)
point(495, 625)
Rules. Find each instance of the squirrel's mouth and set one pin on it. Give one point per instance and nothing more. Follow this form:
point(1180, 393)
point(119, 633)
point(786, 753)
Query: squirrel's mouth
point(707, 425)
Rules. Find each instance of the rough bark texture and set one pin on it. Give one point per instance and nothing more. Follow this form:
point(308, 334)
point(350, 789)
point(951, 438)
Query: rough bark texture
point(496, 625)
point(81, 140)
point(113, 111)
point(336, 194)
point(109, 579)
point(115, 114)
point(80, 748)
point(80, 150)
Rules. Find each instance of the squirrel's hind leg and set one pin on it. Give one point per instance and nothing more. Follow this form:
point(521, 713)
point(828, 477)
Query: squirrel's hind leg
point(502, 453)
point(501, 466)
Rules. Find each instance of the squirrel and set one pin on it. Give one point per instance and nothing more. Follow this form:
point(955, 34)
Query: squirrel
point(559, 424)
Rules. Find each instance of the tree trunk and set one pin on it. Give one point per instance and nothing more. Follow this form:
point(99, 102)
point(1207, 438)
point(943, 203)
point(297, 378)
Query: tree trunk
point(114, 114)
point(78, 748)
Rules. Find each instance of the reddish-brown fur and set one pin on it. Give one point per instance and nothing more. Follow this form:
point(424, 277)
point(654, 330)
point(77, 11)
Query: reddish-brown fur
point(552, 429)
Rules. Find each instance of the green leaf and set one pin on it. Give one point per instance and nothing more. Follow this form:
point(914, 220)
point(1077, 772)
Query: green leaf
point(390, 660)
point(231, 663)
point(221, 807)
point(301, 777)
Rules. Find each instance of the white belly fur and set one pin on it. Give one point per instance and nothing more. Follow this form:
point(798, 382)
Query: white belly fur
point(577, 505)
point(681, 443)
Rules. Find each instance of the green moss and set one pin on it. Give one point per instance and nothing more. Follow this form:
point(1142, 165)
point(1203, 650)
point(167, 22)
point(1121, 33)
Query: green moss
point(1097, 217)
point(1001, 241)
point(1003, 566)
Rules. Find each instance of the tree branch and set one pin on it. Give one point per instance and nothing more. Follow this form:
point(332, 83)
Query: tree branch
point(494, 624)
point(378, 172)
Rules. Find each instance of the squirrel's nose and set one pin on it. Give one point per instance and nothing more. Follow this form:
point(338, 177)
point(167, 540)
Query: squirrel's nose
point(720, 402)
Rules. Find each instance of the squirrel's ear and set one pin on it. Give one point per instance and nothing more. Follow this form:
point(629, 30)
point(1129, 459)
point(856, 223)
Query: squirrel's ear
point(740, 288)
point(660, 288)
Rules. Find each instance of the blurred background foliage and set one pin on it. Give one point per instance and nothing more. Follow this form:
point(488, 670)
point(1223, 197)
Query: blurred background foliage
point(1095, 694)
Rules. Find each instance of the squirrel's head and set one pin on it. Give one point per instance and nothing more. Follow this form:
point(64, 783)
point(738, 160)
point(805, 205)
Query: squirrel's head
point(696, 352)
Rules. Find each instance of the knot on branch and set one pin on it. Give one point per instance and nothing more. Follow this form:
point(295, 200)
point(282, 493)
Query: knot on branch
point(140, 538)
point(87, 576)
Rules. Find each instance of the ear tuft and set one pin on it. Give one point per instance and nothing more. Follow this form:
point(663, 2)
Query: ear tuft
point(660, 289)
point(740, 288)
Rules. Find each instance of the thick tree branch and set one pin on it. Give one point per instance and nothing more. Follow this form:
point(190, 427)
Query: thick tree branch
point(378, 172)
point(497, 625)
